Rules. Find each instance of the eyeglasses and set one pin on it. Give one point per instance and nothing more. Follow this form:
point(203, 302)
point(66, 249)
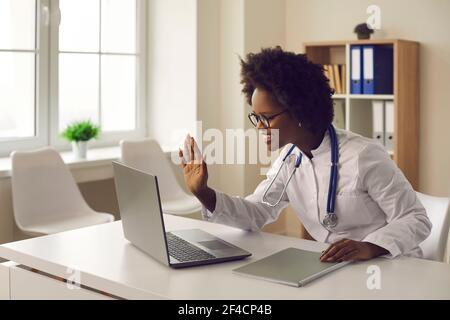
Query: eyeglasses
point(255, 118)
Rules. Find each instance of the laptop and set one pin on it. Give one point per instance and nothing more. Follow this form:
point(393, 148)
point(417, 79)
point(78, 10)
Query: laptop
point(143, 225)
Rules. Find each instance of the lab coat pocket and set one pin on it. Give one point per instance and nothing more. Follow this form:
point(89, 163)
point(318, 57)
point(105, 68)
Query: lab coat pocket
point(351, 210)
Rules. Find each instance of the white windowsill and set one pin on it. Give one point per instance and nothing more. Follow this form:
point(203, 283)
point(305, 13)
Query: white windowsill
point(96, 157)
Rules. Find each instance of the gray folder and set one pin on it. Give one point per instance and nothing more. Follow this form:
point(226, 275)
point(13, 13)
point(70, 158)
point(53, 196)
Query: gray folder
point(291, 266)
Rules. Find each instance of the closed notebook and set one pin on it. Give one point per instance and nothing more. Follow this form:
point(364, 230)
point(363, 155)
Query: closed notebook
point(291, 266)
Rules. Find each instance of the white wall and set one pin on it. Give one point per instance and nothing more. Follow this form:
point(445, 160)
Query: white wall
point(427, 22)
point(172, 68)
point(231, 102)
point(208, 72)
point(193, 67)
point(264, 27)
point(227, 30)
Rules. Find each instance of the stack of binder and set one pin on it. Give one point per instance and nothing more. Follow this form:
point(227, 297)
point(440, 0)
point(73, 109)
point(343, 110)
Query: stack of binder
point(383, 123)
point(336, 74)
point(371, 69)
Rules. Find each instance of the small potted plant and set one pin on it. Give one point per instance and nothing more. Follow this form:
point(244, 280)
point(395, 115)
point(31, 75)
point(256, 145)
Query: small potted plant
point(79, 133)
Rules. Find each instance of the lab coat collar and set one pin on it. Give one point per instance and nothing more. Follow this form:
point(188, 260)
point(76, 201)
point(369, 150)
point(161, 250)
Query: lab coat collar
point(324, 146)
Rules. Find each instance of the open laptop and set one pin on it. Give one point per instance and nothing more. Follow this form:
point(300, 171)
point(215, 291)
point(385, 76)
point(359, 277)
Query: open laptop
point(143, 225)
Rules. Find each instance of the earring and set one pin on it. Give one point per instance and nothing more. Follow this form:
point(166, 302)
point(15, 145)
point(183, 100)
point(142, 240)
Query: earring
point(299, 124)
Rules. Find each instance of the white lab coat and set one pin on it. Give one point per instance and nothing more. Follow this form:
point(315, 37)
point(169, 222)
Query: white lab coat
point(374, 200)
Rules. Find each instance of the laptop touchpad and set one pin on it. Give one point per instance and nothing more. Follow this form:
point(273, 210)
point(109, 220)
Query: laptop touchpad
point(214, 244)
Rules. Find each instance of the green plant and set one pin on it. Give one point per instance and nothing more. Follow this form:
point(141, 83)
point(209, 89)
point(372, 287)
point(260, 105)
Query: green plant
point(81, 131)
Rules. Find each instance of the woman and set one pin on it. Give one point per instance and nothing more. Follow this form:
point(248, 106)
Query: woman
point(371, 211)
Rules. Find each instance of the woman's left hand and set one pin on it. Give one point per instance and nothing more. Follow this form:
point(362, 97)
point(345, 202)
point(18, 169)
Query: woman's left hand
point(350, 250)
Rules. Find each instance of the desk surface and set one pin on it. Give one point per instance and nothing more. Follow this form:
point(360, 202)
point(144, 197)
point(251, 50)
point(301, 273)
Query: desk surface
point(109, 263)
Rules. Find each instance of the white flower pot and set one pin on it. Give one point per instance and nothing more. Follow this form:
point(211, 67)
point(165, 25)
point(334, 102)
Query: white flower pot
point(79, 149)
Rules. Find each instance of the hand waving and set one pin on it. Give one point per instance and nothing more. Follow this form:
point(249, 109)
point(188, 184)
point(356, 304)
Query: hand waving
point(194, 169)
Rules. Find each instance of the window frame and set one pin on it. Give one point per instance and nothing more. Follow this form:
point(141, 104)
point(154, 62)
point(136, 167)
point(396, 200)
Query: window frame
point(46, 84)
point(41, 78)
point(106, 138)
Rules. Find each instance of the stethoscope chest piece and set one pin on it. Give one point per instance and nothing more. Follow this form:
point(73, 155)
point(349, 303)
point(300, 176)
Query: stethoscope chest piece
point(330, 220)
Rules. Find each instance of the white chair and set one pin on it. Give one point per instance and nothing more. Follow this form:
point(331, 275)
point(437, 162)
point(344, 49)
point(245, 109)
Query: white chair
point(147, 156)
point(46, 199)
point(438, 211)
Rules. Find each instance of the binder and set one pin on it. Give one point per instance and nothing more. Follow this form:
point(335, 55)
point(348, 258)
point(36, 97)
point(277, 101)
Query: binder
point(331, 74)
point(389, 133)
point(337, 78)
point(378, 121)
point(344, 78)
point(356, 69)
point(378, 69)
point(326, 72)
point(291, 266)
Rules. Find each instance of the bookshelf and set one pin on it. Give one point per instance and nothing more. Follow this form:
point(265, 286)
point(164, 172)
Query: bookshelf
point(357, 108)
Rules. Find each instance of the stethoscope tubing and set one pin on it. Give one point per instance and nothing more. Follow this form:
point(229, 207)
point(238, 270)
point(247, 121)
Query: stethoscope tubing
point(333, 174)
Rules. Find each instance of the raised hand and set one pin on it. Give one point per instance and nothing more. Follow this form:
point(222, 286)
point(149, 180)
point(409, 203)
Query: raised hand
point(194, 170)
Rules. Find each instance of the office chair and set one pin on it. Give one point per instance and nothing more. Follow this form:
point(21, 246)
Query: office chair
point(438, 211)
point(46, 198)
point(146, 155)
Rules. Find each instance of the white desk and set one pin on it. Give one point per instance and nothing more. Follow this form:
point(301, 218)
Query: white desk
point(110, 264)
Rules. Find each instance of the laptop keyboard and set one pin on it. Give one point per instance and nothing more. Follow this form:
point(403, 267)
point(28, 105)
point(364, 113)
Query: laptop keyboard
point(184, 251)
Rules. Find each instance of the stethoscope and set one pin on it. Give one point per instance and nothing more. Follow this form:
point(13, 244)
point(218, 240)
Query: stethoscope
point(330, 220)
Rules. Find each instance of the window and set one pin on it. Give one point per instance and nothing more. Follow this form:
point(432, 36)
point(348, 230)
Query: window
point(68, 60)
point(23, 78)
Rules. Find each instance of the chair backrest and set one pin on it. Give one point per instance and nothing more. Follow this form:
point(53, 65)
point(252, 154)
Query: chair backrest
point(146, 155)
point(438, 211)
point(43, 188)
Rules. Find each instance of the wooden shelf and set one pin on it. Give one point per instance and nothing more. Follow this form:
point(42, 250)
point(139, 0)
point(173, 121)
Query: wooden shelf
point(372, 96)
point(357, 107)
point(351, 42)
point(364, 96)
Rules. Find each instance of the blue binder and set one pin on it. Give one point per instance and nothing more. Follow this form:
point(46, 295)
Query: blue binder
point(378, 70)
point(356, 70)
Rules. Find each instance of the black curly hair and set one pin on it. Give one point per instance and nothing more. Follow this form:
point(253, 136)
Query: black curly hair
point(296, 83)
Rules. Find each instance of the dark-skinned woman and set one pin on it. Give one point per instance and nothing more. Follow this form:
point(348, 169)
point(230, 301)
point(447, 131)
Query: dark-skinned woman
point(345, 189)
